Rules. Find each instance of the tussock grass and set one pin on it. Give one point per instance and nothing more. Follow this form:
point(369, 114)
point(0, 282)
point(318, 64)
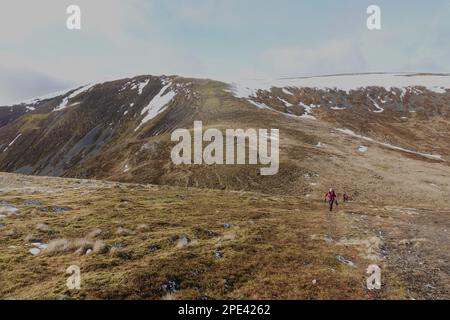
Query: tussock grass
point(79, 246)
point(270, 247)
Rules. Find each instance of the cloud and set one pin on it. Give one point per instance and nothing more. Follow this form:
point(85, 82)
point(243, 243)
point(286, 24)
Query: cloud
point(17, 84)
point(21, 19)
point(209, 13)
point(334, 56)
point(219, 39)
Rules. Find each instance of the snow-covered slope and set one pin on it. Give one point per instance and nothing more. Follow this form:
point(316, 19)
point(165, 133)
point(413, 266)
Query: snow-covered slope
point(121, 129)
point(346, 82)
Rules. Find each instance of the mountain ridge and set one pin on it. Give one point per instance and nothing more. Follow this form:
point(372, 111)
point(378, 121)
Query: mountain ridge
point(120, 130)
point(141, 227)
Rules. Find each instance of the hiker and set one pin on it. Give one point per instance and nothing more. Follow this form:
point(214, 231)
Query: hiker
point(346, 197)
point(331, 197)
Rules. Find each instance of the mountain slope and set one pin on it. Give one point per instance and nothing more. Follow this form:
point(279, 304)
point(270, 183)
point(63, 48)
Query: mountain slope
point(120, 130)
point(157, 242)
point(143, 228)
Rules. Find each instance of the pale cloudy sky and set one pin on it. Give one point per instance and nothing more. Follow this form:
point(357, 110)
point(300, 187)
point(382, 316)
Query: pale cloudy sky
point(221, 39)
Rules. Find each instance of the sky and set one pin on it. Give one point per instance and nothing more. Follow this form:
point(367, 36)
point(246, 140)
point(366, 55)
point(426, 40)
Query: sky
point(220, 39)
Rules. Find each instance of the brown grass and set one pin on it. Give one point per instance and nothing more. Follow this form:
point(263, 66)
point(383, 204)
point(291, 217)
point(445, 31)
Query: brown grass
point(241, 245)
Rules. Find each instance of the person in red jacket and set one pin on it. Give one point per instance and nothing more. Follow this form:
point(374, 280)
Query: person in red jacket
point(331, 198)
point(346, 197)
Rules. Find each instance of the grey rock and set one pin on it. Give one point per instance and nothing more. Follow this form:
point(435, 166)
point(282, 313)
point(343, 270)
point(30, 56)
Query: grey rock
point(170, 286)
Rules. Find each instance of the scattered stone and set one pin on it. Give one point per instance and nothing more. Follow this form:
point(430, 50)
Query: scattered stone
point(41, 246)
point(429, 286)
point(7, 210)
point(55, 209)
point(118, 245)
point(60, 209)
point(32, 203)
point(362, 149)
point(205, 232)
point(227, 285)
point(153, 248)
point(345, 261)
point(170, 286)
point(123, 255)
point(218, 254)
point(35, 251)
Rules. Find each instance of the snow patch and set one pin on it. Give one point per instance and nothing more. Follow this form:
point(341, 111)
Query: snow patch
point(285, 91)
point(241, 91)
point(64, 104)
point(286, 103)
point(362, 149)
point(157, 105)
point(139, 86)
point(12, 142)
point(429, 156)
point(142, 85)
point(347, 83)
point(308, 111)
point(259, 104)
point(379, 109)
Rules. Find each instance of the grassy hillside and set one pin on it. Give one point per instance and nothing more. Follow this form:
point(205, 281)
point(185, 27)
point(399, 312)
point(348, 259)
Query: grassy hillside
point(154, 242)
